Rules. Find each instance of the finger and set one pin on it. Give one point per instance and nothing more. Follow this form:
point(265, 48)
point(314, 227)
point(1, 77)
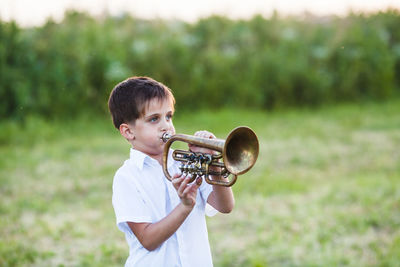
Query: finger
point(176, 182)
point(201, 133)
point(183, 186)
point(186, 191)
point(190, 192)
point(194, 148)
point(209, 135)
point(176, 175)
point(199, 181)
point(205, 134)
point(198, 133)
point(192, 187)
point(197, 184)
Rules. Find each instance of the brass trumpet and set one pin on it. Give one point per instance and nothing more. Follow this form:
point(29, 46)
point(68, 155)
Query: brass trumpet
point(239, 152)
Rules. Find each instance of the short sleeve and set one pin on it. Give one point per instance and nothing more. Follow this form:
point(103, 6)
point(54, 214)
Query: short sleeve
point(128, 204)
point(205, 190)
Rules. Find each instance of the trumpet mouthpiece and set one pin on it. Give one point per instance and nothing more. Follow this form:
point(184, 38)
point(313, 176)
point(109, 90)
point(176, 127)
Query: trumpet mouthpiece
point(165, 137)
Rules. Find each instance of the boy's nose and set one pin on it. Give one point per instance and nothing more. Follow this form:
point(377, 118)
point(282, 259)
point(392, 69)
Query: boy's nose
point(165, 125)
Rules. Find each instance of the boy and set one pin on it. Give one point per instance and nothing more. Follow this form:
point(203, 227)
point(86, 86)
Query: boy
point(164, 222)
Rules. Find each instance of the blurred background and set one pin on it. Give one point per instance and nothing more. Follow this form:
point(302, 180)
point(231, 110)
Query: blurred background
point(318, 81)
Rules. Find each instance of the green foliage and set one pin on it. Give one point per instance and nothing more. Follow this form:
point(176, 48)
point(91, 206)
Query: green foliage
point(66, 68)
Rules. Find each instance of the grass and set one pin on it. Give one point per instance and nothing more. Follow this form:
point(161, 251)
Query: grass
point(325, 190)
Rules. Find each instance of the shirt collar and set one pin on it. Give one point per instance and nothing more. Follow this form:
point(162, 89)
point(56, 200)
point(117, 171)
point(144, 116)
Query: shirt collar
point(139, 158)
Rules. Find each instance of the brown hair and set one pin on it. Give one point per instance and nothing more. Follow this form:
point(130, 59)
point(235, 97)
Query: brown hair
point(128, 98)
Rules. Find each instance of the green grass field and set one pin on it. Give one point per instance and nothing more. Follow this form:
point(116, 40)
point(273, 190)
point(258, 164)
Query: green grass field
point(325, 190)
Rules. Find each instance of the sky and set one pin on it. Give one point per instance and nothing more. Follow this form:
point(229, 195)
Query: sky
point(36, 12)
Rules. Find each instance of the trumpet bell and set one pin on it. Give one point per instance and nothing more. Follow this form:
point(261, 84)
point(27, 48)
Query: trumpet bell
point(240, 151)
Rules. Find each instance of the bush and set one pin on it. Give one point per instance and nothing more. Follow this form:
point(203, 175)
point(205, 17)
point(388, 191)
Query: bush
point(64, 69)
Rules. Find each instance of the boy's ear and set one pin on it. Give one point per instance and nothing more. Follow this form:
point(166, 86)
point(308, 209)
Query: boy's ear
point(126, 131)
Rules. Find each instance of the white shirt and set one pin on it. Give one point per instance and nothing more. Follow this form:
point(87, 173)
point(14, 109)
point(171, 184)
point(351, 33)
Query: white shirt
point(141, 193)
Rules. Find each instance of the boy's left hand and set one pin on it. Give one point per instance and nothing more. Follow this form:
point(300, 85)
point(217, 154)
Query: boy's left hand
point(186, 192)
point(203, 134)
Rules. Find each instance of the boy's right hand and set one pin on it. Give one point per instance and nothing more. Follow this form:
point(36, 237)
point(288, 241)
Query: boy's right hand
point(203, 134)
point(186, 192)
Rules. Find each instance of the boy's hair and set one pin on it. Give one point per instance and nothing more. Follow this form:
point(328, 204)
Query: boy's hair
point(128, 99)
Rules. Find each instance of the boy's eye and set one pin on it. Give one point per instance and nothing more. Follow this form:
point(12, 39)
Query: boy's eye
point(169, 116)
point(153, 119)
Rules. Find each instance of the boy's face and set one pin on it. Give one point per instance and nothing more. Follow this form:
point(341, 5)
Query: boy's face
point(149, 128)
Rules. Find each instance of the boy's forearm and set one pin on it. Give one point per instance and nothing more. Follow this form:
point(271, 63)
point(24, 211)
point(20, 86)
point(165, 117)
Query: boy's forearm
point(221, 198)
point(154, 234)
